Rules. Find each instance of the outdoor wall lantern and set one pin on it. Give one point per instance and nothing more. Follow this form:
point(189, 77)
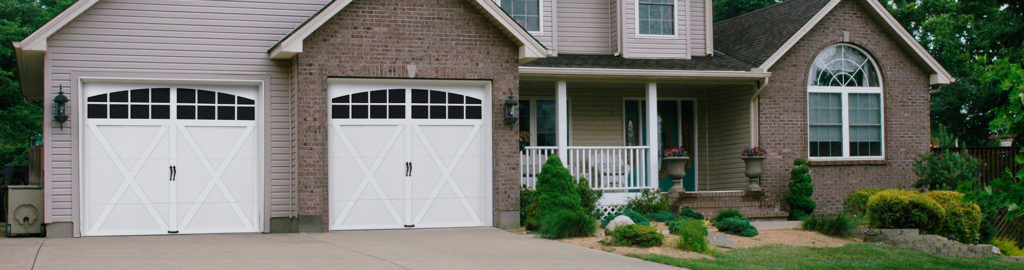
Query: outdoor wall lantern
point(60, 111)
point(511, 110)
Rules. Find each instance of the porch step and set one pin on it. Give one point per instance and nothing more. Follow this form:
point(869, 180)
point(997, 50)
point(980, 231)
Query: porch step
point(751, 205)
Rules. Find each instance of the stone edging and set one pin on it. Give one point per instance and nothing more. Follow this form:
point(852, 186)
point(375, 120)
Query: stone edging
point(931, 244)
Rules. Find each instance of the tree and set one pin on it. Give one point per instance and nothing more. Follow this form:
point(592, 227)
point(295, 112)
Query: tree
point(724, 9)
point(1008, 77)
point(19, 120)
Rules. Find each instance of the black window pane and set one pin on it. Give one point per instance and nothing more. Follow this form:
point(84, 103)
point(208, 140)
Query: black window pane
point(826, 149)
point(121, 96)
point(160, 95)
point(455, 98)
point(245, 101)
point(379, 112)
point(455, 112)
point(226, 113)
point(379, 96)
point(360, 112)
point(140, 95)
point(339, 112)
point(524, 115)
point(161, 112)
point(396, 95)
point(186, 112)
point(223, 98)
point(470, 100)
point(140, 111)
point(246, 113)
point(206, 113)
point(396, 112)
point(437, 112)
point(419, 96)
point(341, 99)
point(360, 97)
point(186, 95)
point(98, 98)
point(206, 97)
point(119, 111)
point(420, 112)
point(437, 97)
point(97, 110)
point(473, 112)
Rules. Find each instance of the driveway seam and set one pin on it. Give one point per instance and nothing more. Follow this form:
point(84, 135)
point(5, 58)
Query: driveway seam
point(356, 251)
point(38, 249)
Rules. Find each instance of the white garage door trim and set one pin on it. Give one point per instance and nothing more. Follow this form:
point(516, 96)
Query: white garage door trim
point(414, 145)
point(251, 132)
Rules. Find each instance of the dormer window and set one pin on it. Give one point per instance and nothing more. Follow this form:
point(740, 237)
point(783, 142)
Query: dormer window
point(656, 17)
point(525, 12)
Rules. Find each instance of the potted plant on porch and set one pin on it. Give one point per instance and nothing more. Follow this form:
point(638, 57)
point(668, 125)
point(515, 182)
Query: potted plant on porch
point(675, 160)
point(753, 159)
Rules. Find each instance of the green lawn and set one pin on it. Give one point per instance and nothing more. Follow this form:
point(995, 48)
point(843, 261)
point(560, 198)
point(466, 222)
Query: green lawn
point(852, 256)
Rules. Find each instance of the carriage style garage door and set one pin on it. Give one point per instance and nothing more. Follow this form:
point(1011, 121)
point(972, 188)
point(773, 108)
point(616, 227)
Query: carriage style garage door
point(409, 155)
point(161, 159)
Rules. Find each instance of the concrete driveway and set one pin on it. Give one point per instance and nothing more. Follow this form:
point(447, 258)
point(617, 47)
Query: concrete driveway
point(475, 248)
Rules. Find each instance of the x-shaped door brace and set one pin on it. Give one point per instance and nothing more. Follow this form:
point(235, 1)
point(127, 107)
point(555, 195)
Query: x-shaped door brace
point(215, 177)
point(447, 173)
point(368, 174)
point(129, 178)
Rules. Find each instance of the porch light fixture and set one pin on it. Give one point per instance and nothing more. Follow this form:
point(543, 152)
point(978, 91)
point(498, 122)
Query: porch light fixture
point(60, 112)
point(511, 110)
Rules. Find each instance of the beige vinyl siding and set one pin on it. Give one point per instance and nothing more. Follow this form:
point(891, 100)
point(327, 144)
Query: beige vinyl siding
point(613, 24)
point(662, 46)
point(698, 37)
point(583, 27)
point(729, 111)
point(213, 38)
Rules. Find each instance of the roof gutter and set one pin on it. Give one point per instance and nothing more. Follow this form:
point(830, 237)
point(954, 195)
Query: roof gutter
point(30, 71)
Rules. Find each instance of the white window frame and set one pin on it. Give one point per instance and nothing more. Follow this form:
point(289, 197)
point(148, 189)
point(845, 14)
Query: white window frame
point(540, 17)
point(675, 22)
point(533, 117)
point(845, 93)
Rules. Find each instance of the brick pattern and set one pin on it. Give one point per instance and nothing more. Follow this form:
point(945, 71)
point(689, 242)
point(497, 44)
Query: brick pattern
point(751, 205)
point(445, 39)
point(783, 112)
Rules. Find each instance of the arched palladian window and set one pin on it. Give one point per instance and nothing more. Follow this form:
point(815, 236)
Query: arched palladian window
point(844, 105)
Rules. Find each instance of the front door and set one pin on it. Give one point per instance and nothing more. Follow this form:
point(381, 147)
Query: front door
point(676, 128)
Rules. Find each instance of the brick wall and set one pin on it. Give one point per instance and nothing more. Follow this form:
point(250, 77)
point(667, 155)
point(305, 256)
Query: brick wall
point(445, 39)
point(783, 112)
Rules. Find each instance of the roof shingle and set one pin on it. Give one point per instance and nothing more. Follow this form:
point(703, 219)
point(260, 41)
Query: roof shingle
point(716, 62)
point(755, 36)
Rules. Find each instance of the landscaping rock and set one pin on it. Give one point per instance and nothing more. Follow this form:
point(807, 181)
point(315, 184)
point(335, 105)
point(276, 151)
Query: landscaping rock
point(932, 244)
point(721, 240)
point(618, 221)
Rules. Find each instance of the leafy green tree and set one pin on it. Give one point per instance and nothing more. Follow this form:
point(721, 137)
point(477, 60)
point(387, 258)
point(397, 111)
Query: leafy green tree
point(724, 9)
point(1008, 76)
point(19, 120)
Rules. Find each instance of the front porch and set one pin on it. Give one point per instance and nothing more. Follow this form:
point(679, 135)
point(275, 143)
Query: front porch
point(599, 128)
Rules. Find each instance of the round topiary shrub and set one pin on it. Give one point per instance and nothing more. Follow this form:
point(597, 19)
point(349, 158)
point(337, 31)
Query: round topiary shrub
point(963, 219)
point(800, 190)
point(636, 235)
point(901, 209)
point(566, 224)
point(856, 202)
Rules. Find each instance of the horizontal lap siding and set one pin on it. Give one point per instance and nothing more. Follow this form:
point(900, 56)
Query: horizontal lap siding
point(696, 32)
point(729, 125)
point(180, 37)
point(583, 27)
point(657, 47)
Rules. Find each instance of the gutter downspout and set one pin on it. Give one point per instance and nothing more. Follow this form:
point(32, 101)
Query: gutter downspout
point(754, 113)
point(620, 18)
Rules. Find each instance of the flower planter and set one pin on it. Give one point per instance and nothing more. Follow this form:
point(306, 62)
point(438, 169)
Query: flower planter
point(754, 169)
point(676, 168)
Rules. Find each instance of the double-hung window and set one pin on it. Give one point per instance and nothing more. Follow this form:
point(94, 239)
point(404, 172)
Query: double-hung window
point(656, 17)
point(844, 105)
point(525, 12)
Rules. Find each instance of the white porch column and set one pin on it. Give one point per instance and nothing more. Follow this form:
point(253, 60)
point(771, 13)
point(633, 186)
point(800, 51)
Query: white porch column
point(652, 133)
point(562, 112)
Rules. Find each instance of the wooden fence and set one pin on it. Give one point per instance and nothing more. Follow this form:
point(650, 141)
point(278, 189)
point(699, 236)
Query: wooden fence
point(995, 160)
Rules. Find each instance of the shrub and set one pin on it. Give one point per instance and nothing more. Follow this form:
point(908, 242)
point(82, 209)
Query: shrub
point(693, 236)
point(727, 213)
point(688, 212)
point(556, 192)
point(963, 219)
point(736, 226)
point(840, 225)
point(636, 217)
point(856, 202)
point(946, 170)
point(636, 235)
point(800, 191)
point(526, 196)
point(649, 202)
point(566, 224)
point(897, 209)
point(662, 217)
point(588, 197)
point(1008, 246)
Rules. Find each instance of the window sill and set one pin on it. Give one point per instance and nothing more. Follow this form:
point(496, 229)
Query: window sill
point(847, 162)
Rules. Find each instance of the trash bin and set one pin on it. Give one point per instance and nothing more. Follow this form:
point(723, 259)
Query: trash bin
point(25, 211)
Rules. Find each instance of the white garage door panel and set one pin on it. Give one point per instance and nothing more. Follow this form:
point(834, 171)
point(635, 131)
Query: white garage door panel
point(412, 155)
point(164, 159)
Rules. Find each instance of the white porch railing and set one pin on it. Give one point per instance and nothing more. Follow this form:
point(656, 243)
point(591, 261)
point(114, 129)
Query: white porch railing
point(608, 168)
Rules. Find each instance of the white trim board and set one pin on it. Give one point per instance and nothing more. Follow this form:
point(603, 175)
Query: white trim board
point(939, 74)
point(540, 17)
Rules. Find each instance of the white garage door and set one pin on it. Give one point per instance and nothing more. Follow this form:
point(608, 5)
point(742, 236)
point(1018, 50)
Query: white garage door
point(409, 155)
point(161, 159)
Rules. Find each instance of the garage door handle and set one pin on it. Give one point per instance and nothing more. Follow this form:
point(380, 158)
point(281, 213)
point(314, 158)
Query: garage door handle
point(170, 173)
point(174, 173)
point(408, 169)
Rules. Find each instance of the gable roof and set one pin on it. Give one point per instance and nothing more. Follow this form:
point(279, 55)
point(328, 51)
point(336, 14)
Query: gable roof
point(29, 52)
point(529, 47)
point(763, 36)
